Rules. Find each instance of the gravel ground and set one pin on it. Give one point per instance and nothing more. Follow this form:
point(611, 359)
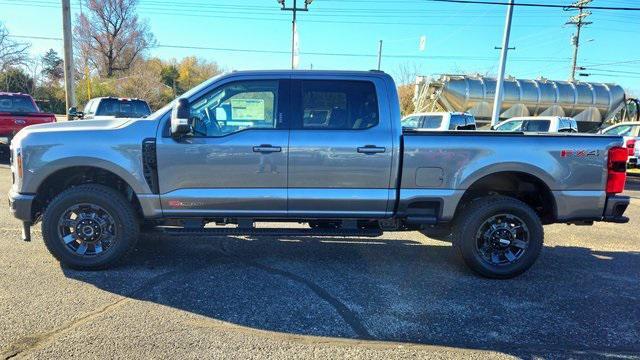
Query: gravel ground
point(401, 295)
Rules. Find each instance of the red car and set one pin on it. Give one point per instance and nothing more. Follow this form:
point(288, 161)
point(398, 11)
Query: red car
point(17, 111)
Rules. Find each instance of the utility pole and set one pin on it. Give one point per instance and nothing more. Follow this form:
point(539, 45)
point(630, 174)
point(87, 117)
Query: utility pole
point(294, 9)
point(379, 54)
point(70, 96)
point(497, 101)
point(579, 22)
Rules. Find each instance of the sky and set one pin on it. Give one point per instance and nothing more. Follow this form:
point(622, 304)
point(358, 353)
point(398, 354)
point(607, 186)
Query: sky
point(460, 38)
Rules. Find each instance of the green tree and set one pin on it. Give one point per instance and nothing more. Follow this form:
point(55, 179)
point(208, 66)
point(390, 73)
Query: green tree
point(52, 66)
point(16, 80)
point(169, 75)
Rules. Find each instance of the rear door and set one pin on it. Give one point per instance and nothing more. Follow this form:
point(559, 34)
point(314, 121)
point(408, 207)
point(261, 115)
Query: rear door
point(340, 148)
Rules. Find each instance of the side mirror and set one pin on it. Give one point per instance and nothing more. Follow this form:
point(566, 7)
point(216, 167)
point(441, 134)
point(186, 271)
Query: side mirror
point(74, 114)
point(492, 127)
point(180, 118)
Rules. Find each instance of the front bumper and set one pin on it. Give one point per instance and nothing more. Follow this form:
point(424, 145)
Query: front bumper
point(20, 205)
point(614, 209)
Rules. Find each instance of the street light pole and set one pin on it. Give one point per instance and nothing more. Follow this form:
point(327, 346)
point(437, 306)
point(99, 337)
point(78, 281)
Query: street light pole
point(69, 88)
point(379, 54)
point(294, 9)
point(497, 101)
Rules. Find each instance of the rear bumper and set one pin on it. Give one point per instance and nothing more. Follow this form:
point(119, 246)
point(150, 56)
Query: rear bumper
point(20, 205)
point(614, 209)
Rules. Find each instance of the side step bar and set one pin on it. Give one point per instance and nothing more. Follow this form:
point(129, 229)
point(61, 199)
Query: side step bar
point(270, 232)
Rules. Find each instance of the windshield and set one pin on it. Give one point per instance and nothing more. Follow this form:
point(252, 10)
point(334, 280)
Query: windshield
point(186, 95)
point(16, 103)
point(123, 108)
point(514, 125)
point(622, 130)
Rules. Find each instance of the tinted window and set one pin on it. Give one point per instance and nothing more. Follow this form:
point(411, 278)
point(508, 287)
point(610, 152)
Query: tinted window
point(536, 125)
point(235, 107)
point(122, 108)
point(16, 103)
point(462, 122)
point(339, 105)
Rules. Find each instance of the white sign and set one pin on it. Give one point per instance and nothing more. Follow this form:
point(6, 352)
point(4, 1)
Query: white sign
point(423, 42)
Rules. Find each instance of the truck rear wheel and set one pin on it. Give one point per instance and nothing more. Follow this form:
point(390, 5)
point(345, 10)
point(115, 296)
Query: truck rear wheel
point(499, 237)
point(89, 227)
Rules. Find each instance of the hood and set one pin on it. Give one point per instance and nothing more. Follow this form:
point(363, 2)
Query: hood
point(74, 126)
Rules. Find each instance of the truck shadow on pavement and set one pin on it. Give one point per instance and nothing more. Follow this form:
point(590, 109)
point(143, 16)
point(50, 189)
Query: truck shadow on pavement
point(573, 300)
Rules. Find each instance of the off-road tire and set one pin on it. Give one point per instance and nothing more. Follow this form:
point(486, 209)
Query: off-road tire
point(474, 215)
point(125, 221)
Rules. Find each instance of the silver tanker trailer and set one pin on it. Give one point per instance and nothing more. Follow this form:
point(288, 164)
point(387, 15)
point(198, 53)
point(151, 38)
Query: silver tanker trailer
point(590, 104)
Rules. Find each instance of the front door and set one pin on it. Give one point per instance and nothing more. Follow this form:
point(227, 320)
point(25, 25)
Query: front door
point(340, 150)
point(235, 161)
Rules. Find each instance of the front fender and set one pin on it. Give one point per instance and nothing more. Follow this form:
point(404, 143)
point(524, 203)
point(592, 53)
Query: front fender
point(130, 170)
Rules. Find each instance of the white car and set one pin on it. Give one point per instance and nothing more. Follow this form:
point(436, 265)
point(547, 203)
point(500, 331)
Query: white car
point(631, 133)
point(552, 124)
point(440, 121)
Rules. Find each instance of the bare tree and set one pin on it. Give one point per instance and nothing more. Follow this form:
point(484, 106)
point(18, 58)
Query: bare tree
point(12, 53)
point(111, 36)
point(405, 79)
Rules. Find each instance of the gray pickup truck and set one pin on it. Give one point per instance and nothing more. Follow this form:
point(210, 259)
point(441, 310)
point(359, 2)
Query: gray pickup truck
point(321, 148)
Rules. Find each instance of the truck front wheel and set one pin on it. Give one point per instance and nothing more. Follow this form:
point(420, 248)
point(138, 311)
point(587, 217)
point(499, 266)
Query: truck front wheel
point(89, 227)
point(499, 237)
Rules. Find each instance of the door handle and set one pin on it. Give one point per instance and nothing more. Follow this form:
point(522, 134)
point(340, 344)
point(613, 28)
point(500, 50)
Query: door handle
point(371, 149)
point(266, 148)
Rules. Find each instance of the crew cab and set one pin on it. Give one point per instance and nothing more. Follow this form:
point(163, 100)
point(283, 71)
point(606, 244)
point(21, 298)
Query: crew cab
point(18, 110)
point(111, 107)
point(321, 148)
point(552, 124)
point(439, 121)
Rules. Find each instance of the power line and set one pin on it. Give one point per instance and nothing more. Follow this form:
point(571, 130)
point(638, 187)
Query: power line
point(537, 5)
point(405, 56)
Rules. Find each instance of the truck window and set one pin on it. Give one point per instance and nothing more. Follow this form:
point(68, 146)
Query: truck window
point(339, 105)
point(90, 108)
point(623, 130)
point(16, 103)
point(235, 107)
point(431, 121)
point(515, 125)
point(462, 122)
point(122, 108)
point(536, 125)
point(411, 122)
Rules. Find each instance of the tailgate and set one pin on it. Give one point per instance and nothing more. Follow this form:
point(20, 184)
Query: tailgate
point(11, 123)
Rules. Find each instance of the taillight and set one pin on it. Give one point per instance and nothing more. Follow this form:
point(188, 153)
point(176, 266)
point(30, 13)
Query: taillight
point(616, 170)
point(631, 144)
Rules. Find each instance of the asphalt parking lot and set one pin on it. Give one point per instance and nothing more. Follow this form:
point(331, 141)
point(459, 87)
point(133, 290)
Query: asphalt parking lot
point(401, 295)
